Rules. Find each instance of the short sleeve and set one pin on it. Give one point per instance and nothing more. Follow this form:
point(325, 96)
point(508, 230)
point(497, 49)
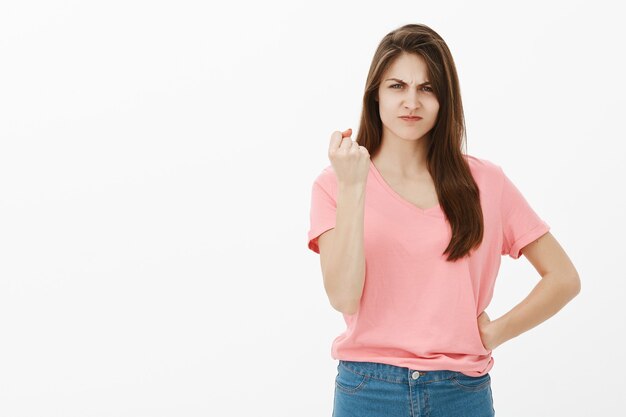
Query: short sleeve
point(323, 209)
point(521, 225)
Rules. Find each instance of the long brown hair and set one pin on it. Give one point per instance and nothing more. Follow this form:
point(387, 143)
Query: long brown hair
point(457, 191)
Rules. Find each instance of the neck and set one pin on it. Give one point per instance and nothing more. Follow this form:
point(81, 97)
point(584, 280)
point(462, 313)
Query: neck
point(403, 158)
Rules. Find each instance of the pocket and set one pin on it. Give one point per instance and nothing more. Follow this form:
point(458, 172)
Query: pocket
point(349, 380)
point(472, 383)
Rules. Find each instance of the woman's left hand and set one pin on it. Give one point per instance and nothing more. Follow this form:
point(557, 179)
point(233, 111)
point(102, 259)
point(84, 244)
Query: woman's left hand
point(489, 331)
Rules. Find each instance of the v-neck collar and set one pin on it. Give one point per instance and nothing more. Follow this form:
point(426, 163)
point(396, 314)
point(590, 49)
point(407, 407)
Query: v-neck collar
point(427, 211)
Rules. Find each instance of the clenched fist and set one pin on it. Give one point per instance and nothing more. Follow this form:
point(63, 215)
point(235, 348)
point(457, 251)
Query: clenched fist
point(350, 160)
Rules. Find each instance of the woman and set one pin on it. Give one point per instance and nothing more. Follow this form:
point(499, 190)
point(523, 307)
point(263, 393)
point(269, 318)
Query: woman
point(410, 241)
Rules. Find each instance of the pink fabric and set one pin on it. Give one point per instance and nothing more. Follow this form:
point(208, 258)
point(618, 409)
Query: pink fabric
point(417, 310)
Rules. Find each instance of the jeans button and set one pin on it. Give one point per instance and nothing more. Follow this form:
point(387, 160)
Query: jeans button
point(415, 375)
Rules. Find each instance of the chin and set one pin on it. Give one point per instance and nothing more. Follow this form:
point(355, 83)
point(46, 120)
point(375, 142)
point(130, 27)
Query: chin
point(410, 137)
point(411, 133)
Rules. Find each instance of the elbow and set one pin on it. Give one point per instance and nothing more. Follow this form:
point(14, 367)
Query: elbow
point(568, 281)
point(340, 301)
point(577, 286)
point(348, 308)
point(574, 285)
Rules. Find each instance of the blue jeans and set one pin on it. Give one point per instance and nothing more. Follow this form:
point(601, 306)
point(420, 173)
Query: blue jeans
point(370, 389)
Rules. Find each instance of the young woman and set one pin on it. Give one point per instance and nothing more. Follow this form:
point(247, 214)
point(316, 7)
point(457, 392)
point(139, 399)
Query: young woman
point(410, 241)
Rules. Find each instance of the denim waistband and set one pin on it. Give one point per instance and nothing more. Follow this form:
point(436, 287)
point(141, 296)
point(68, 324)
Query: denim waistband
point(394, 373)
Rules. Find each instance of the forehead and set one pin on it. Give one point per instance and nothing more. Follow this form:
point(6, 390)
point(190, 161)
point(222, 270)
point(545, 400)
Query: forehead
point(409, 68)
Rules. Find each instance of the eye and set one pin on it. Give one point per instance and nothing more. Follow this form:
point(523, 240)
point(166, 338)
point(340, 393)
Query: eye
point(430, 90)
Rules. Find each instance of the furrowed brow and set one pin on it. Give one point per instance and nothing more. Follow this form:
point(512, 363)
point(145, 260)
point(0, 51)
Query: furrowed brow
point(402, 82)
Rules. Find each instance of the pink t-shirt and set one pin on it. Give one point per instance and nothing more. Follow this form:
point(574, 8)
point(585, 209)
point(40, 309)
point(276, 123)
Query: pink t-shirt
point(417, 310)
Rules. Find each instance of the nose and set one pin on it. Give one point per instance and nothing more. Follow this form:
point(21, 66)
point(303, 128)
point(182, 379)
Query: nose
point(412, 100)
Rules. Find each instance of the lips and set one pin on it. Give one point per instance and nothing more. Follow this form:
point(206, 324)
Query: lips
point(410, 118)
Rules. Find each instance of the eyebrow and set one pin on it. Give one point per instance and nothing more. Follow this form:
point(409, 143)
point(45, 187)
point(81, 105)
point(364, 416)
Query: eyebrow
point(400, 81)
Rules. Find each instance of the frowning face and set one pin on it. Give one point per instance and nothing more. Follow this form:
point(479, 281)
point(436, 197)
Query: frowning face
point(405, 91)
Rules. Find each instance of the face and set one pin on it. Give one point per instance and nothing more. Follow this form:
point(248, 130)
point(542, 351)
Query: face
point(409, 96)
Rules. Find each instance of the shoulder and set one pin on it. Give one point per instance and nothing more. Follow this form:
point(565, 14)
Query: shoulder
point(484, 169)
point(481, 164)
point(326, 179)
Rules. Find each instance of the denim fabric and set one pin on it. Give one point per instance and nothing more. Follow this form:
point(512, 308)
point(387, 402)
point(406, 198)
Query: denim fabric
point(370, 389)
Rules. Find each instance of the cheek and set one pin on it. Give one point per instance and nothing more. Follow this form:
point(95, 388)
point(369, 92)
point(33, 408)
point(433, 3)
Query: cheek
point(386, 109)
point(433, 109)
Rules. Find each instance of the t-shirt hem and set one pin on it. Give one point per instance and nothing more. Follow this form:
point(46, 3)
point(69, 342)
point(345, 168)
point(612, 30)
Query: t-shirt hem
point(419, 364)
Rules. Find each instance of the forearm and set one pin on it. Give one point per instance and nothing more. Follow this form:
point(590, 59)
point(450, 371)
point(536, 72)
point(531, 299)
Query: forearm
point(549, 296)
point(346, 266)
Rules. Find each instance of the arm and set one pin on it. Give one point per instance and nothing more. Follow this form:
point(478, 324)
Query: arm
point(558, 286)
point(342, 252)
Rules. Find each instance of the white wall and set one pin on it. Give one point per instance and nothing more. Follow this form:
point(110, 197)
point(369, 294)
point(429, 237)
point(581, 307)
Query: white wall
point(156, 160)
